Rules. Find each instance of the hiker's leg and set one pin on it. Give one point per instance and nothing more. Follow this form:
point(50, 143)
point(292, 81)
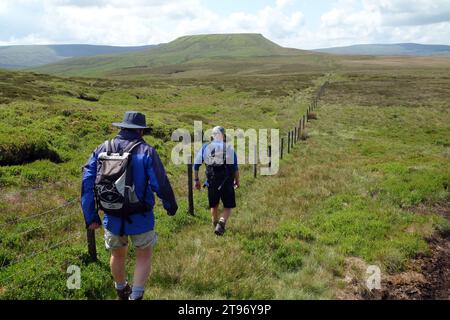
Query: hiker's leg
point(215, 214)
point(143, 266)
point(226, 214)
point(117, 263)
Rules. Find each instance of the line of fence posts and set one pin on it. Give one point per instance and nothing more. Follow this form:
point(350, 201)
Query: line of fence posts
point(293, 136)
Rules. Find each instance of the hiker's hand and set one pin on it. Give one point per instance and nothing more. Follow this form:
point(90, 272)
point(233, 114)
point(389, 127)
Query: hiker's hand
point(237, 184)
point(198, 185)
point(94, 226)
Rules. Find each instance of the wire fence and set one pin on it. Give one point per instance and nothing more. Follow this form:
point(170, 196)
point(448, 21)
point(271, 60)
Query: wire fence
point(22, 256)
point(292, 137)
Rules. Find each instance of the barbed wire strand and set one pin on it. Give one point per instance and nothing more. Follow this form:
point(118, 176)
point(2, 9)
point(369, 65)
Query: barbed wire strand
point(43, 225)
point(49, 248)
point(16, 261)
point(67, 204)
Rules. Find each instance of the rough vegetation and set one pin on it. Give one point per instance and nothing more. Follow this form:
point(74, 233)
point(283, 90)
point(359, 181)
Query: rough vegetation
point(378, 150)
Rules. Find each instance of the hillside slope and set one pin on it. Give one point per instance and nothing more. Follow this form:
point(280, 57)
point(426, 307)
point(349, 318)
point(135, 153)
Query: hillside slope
point(16, 57)
point(400, 49)
point(188, 49)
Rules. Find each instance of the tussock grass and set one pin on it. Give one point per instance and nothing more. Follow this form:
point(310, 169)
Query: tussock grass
point(347, 191)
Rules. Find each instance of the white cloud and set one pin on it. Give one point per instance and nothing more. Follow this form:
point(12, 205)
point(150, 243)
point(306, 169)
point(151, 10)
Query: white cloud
point(137, 22)
point(384, 21)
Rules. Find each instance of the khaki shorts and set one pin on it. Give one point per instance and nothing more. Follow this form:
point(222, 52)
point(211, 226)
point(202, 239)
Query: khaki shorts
point(140, 241)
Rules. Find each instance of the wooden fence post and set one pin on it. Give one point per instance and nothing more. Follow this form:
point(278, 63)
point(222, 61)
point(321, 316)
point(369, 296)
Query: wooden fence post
point(255, 168)
point(190, 187)
point(295, 135)
point(270, 157)
point(292, 139)
point(289, 142)
point(92, 248)
point(282, 148)
point(299, 129)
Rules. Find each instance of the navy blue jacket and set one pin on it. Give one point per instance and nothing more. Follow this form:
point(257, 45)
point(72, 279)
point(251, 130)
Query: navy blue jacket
point(149, 177)
point(231, 157)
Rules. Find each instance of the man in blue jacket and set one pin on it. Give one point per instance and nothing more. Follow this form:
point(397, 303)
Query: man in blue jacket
point(222, 173)
point(149, 177)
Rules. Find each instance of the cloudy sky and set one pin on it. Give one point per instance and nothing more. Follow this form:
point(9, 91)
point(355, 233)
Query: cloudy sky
point(294, 23)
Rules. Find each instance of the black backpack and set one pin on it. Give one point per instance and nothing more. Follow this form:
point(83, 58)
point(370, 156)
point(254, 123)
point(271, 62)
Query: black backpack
point(217, 169)
point(114, 186)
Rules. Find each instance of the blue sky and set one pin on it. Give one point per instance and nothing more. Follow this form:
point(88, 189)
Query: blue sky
point(292, 23)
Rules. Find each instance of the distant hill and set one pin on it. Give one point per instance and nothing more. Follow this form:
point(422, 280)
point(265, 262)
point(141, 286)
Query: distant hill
point(188, 49)
point(16, 57)
point(401, 49)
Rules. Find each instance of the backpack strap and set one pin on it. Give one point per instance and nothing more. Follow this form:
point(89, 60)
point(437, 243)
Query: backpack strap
point(130, 147)
point(113, 146)
point(224, 153)
point(108, 147)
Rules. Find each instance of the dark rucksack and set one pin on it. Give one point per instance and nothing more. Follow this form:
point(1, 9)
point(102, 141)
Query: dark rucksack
point(114, 186)
point(217, 168)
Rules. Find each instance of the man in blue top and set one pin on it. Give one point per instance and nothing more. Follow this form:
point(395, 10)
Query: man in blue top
point(222, 175)
point(149, 176)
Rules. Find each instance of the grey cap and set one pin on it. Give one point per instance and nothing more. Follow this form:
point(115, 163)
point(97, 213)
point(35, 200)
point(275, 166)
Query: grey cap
point(218, 130)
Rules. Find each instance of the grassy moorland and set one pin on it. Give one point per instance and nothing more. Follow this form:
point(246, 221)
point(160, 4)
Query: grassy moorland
point(379, 149)
point(205, 54)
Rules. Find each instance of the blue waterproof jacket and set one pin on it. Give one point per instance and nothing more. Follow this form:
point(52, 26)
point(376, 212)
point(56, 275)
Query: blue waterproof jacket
point(231, 157)
point(149, 178)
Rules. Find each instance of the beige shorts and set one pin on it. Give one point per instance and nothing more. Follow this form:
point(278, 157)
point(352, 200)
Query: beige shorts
point(140, 241)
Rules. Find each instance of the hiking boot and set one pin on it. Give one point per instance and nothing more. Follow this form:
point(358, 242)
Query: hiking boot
point(220, 228)
point(215, 224)
point(124, 294)
point(140, 298)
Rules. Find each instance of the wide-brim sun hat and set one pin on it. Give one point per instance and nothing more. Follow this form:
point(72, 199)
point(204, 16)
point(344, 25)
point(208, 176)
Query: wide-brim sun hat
point(132, 120)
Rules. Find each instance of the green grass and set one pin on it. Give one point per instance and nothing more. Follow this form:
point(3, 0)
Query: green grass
point(199, 54)
point(379, 149)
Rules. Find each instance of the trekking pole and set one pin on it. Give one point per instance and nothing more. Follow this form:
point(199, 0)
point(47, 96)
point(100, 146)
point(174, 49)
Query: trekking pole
point(190, 187)
point(92, 248)
point(256, 161)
